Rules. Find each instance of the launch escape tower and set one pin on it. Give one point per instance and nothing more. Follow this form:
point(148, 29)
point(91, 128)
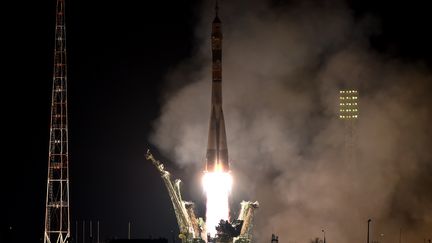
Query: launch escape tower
point(193, 229)
point(57, 217)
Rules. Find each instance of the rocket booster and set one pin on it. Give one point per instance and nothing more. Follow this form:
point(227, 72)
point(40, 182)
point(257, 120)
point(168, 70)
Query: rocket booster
point(217, 149)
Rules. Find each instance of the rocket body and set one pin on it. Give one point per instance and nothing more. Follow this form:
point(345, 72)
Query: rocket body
point(217, 149)
point(217, 180)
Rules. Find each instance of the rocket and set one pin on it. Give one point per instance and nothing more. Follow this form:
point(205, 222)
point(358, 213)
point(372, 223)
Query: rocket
point(217, 149)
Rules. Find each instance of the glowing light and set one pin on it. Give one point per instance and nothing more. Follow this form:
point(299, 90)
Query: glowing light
point(217, 186)
point(348, 106)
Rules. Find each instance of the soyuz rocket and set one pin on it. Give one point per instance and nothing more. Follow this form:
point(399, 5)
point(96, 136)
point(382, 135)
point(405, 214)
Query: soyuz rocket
point(217, 149)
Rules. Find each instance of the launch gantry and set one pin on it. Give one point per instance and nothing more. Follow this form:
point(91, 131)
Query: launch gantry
point(192, 229)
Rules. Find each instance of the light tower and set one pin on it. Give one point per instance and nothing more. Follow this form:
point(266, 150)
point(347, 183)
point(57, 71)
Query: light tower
point(349, 114)
point(57, 217)
point(348, 104)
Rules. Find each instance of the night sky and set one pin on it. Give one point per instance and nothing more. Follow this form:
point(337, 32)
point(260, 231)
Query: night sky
point(119, 56)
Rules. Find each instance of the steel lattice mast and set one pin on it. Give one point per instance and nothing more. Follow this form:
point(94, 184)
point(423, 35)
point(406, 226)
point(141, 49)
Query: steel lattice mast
point(57, 220)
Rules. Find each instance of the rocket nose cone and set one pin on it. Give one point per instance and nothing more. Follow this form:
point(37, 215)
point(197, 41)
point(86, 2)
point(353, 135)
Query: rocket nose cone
point(216, 20)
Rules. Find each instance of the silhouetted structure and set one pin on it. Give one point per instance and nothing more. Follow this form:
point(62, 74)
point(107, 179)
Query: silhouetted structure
point(349, 115)
point(57, 218)
point(227, 230)
point(274, 239)
point(368, 223)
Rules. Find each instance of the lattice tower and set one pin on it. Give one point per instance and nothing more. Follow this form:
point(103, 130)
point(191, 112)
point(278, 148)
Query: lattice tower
point(57, 215)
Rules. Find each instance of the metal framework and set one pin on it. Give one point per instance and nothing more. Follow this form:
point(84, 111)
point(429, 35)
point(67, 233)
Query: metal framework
point(247, 213)
point(57, 216)
point(191, 228)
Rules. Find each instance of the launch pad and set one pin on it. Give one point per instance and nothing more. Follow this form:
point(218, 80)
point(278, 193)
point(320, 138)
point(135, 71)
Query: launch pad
point(217, 179)
point(193, 229)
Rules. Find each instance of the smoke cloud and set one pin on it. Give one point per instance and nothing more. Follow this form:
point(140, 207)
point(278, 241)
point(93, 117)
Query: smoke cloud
point(283, 67)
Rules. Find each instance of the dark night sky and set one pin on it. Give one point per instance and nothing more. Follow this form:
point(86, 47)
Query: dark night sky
point(118, 55)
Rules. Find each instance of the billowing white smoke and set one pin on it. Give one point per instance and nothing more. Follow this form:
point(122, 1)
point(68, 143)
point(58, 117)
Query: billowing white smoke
point(282, 68)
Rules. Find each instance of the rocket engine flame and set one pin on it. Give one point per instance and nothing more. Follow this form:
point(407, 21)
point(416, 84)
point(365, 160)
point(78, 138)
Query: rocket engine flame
point(217, 186)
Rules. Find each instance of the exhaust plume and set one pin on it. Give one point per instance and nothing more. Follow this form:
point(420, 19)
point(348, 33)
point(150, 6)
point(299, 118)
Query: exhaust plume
point(217, 186)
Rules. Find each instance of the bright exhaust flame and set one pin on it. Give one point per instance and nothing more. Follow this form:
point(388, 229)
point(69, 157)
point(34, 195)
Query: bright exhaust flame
point(217, 186)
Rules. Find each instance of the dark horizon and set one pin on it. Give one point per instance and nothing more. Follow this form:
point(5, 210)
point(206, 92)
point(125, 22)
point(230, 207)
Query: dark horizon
point(122, 57)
